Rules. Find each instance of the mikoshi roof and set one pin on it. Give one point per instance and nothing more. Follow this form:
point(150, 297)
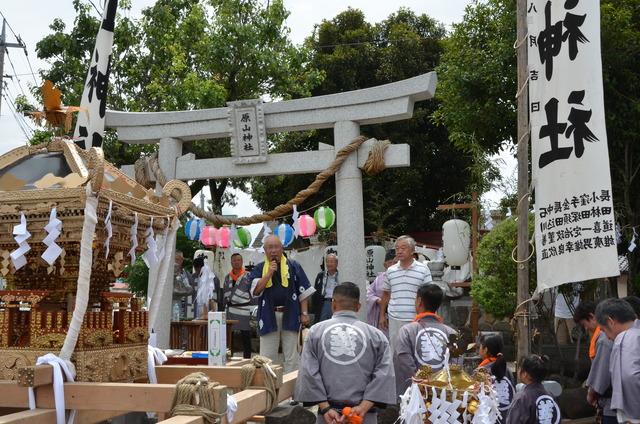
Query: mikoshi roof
point(60, 164)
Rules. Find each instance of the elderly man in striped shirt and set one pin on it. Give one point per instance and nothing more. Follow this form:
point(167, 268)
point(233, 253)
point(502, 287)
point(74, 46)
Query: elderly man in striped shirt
point(399, 291)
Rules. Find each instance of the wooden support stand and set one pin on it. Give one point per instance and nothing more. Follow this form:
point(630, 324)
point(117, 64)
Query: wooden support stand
point(96, 402)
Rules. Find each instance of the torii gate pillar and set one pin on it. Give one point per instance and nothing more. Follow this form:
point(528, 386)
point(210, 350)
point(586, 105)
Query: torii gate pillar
point(350, 214)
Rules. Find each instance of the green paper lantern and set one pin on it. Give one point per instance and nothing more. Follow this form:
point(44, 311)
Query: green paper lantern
point(243, 238)
point(325, 217)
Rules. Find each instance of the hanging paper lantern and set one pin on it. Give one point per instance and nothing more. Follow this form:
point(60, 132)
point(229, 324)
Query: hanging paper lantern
point(285, 234)
point(456, 239)
point(209, 235)
point(193, 229)
point(325, 217)
point(307, 225)
point(243, 238)
point(224, 237)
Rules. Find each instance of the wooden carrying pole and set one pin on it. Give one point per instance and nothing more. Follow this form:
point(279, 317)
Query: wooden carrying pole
point(523, 183)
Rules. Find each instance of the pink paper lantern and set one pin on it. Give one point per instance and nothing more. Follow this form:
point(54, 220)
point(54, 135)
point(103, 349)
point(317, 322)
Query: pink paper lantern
point(307, 225)
point(209, 235)
point(224, 237)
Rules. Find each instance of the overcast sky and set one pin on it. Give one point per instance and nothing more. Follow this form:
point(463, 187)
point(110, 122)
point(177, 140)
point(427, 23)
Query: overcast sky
point(31, 18)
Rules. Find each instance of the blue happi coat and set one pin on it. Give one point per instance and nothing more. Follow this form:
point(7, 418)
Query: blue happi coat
point(298, 290)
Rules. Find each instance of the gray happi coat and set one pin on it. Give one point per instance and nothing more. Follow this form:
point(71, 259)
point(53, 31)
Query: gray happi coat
point(238, 301)
point(625, 372)
point(505, 391)
point(419, 343)
point(599, 376)
point(345, 361)
point(534, 405)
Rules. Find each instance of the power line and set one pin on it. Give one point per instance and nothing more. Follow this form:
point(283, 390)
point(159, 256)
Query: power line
point(14, 71)
point(20, 41)
point(19, 115)
point(15, 116)
point(35, 80)
point(18, 75)
point(97, 10)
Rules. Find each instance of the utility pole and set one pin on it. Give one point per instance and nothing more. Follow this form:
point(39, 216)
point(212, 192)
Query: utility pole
point(522, 312)
point(3, 49)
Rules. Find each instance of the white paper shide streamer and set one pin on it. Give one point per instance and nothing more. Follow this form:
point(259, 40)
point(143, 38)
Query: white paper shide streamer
point(53, 229)
point(134, 238)
point(109, 228)
point(266, 233)
point(296, 221)
point(20, 235)
point(206, 287)
point(150, 256)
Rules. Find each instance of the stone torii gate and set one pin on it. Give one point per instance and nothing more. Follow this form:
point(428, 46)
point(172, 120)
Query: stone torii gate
point(344, 112)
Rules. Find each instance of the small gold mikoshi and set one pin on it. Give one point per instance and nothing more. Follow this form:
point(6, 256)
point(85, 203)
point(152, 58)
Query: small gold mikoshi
point(473, 406)
point(424, 373)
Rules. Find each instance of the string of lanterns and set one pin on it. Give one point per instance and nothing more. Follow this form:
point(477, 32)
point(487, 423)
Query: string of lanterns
point(303, 225)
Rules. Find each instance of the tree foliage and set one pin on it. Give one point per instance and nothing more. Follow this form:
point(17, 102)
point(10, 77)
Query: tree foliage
point(477, 78)
point(181, 55)
point(478, 85)
point(495, 287)
point(354, 54)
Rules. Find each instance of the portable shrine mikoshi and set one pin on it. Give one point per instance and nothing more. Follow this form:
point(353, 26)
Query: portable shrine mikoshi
point(452, 396)
point(44, 193)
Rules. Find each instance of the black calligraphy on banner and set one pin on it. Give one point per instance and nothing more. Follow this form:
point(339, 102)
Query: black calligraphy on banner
point(554, 35)
point(576, 127)
point(571, 225)
point(90, 124)
point(99, 82)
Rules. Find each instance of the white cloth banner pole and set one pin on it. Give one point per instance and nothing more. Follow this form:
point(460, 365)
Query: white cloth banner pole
point(155, 287)
point(575, 226)
point(84, 275)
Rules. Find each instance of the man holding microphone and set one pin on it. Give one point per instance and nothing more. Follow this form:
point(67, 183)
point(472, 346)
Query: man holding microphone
point(283, 292)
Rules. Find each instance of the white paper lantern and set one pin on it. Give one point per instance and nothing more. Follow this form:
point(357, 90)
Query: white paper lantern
point(456, 239)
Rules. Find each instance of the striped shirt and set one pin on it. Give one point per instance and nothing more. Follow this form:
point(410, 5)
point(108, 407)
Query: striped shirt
point(403, 285)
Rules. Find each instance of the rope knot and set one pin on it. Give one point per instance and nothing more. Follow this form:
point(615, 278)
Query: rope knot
point(248, 371)
point(194, 397)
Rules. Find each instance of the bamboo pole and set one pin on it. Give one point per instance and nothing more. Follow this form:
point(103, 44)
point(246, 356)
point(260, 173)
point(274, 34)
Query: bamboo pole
point(523, 183)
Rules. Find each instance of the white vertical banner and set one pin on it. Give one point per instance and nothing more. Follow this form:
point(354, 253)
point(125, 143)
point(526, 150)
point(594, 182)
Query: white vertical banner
point(89, 130)
point(575, 228)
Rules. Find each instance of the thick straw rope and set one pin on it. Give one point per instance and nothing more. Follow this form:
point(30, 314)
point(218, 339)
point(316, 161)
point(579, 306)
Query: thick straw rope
point(249, 370)
point(194, 397)
point(373, 165)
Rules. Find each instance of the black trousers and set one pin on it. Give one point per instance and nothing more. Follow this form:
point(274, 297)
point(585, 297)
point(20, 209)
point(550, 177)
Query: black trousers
point(245, 336)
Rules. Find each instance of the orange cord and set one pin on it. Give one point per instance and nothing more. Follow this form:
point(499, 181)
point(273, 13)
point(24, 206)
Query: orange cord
point(351, 418)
